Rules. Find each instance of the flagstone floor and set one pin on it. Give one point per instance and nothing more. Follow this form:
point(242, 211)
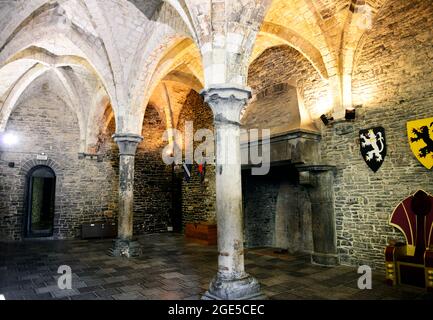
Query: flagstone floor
point(170, 268)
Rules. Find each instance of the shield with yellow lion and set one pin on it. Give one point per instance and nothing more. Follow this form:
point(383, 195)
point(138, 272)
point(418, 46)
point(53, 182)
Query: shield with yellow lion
point(420, 133)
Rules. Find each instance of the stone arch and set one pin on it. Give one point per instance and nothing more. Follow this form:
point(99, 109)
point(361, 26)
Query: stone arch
point(45, 57)
point(25, 82)
point(302, 68)
point(44, 60)
point(110, 49)
point(185, 78)
point(154, 70)
point(98, 118)
point(182, 9)
point(19, 87)
point(29, 164)
point(26, 13)
point(25, 43)
point(357, 52)
point(298, 42)
point(173, 25)
point(358, 22)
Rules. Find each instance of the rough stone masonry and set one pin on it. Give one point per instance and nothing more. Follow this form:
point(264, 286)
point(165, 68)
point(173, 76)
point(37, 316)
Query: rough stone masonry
point(81, 81)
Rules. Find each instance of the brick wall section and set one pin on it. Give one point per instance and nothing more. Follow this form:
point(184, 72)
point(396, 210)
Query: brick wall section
point(85, 189)
point(152, 188)
point(393, 81)
point(198, 199)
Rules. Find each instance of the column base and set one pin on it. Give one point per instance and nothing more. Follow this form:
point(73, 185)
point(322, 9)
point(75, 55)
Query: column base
point(325, 259)
point(247, 288)
point(125, 248)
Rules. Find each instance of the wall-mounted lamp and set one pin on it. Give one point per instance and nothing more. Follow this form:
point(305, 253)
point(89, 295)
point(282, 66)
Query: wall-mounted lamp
point(325, 119)
point(9, 139)
point(350, 114)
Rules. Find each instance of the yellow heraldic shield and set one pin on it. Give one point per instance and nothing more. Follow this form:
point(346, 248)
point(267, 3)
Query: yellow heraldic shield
point(420, 133)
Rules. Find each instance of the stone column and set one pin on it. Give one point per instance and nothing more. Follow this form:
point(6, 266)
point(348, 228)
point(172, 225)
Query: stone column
point(321, 180)
point(124, 245)
point(231, 281)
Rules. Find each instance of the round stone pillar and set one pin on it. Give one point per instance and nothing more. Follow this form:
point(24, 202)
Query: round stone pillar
point(124, 245)
point(231, 281)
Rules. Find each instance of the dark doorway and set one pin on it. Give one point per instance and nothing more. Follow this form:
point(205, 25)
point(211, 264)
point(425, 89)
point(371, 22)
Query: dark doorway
point(41, 188)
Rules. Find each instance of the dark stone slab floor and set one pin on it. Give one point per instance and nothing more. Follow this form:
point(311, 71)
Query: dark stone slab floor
point(170, 269)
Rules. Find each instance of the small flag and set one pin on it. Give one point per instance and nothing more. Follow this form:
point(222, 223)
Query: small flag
point(202, 171)
point(187, 168)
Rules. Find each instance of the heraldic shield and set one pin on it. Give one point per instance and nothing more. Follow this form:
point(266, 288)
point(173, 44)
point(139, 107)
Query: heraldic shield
point(420, 133)
point(373, 147)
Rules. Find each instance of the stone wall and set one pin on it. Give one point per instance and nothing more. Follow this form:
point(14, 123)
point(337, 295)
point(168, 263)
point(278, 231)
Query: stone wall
point(283, 64)
point(277, 211)
point(85, 189)
point(198, 198)
point(392, 81)
point(152, 185)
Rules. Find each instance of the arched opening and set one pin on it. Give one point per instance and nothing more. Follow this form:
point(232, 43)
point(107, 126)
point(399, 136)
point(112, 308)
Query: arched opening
point(41, 191)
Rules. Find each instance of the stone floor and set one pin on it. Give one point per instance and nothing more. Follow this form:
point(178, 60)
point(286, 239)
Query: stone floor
point(170, 268)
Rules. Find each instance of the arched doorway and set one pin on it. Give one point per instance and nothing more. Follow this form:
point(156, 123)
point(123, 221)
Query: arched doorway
point(41, 188)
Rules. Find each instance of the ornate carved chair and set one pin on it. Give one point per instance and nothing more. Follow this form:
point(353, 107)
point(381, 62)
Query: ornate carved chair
point(412, 263)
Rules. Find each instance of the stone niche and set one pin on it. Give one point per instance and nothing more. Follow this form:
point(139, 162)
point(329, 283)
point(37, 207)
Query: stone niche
point(281, 207)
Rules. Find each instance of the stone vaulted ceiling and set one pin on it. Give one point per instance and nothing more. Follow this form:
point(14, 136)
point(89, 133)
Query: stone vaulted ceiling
point(132, 52)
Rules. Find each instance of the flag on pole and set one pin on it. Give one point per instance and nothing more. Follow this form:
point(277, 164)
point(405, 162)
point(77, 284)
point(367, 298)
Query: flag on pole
point(202, 171)
point(187, 168)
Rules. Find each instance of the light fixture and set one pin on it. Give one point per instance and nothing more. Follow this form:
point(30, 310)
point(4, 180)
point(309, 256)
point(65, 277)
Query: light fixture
point(170, 151)
point(2, 297)
point(325, 119)
point(350, 114)
point(9, 139)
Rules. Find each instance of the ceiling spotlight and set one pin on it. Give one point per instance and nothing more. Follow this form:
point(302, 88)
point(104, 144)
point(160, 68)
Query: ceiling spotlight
point(350, 114)
point(9, 139)
point(325, 119)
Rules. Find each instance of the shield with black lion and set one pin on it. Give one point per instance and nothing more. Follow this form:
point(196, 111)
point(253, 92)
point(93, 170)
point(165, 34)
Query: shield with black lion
point(420, 134)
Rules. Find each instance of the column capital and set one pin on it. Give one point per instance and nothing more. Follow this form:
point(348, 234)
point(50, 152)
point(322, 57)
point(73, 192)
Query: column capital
point(127, 143)
point(227, 102)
